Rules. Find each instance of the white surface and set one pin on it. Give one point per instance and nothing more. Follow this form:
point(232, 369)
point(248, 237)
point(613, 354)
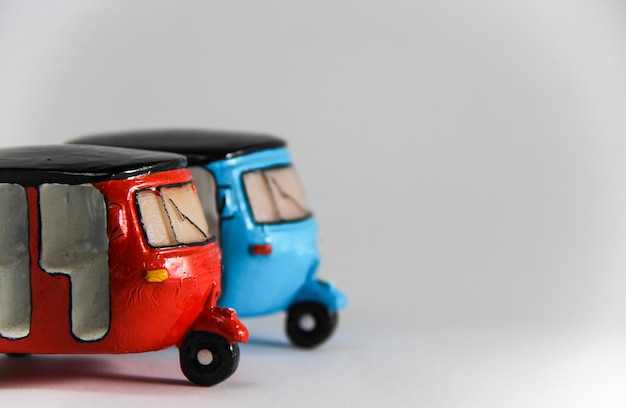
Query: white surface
point(465, 161)
point(359, 367)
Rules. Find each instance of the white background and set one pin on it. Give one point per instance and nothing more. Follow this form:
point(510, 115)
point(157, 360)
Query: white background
point(465, 161)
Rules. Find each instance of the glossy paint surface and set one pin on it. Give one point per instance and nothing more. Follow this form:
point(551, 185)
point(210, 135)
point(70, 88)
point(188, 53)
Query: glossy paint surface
point(267, 266)
point(148, 310)
point(256, 282)
point(74, 164)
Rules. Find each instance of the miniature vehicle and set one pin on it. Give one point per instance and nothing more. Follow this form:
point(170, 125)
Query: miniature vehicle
point(107, 250)
point(267, 233)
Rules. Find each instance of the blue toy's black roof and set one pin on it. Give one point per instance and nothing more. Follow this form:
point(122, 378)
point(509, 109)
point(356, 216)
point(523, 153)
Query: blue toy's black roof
point(200, 146)
point(72, 164)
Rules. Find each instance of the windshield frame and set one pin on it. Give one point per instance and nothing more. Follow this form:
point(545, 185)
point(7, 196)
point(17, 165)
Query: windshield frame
point(308, 214)
point(210, 237)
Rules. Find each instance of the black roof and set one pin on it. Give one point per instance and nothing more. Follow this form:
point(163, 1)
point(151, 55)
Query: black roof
point(200, 146)
point(69, 164)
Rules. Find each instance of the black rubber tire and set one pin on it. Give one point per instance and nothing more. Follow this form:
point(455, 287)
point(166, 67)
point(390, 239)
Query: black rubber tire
point(324, 324)
point(223, 365)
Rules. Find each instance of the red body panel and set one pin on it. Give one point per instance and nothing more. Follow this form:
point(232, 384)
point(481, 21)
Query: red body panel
point(145, 316)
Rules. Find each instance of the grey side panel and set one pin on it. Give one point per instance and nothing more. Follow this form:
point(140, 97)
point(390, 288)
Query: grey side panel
point(207, 191)
point(15, 301)
point(74, 242)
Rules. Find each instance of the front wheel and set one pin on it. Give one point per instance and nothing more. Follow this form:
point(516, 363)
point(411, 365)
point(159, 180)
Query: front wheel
point(207, 358)
point(309, 324)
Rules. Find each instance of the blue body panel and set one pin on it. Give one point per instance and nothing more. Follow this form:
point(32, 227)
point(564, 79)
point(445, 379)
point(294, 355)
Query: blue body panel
point(262, 284)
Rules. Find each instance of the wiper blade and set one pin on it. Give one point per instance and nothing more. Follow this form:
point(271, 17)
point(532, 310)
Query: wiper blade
point(288, 196)
point(185, 217)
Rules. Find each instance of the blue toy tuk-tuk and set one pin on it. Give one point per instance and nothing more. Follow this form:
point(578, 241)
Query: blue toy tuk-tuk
point(267, 233)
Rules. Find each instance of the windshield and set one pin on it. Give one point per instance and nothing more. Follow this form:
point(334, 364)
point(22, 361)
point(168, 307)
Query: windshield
point(172, 216)
point(275, 195)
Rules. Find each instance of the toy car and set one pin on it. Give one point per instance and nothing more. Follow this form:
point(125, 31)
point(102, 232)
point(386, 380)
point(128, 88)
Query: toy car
point(267, 233)
point(107, 250)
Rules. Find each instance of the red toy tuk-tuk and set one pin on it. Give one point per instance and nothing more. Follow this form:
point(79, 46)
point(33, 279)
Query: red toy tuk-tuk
point(107, 250)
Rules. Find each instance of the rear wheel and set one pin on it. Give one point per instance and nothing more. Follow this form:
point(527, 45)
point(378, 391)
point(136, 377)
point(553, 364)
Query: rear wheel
point(207, 358)
point(309, 324)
